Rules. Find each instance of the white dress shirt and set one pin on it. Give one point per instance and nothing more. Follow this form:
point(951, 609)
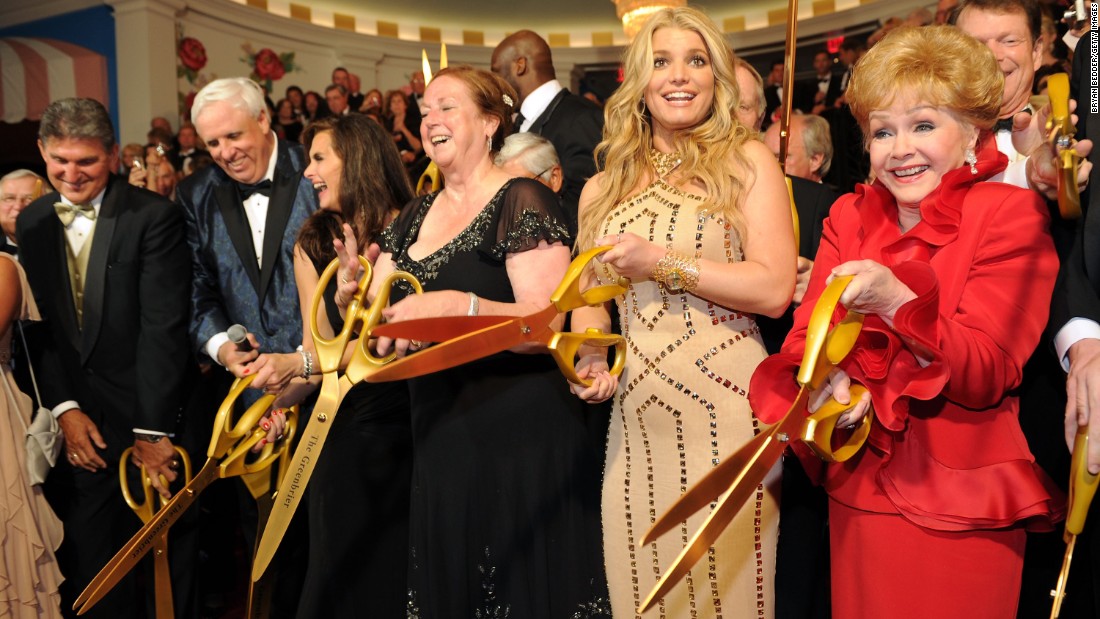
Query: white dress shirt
point(537, 102)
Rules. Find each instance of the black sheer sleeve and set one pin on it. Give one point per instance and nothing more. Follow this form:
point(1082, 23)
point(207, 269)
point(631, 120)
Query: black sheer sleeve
point(529, 213)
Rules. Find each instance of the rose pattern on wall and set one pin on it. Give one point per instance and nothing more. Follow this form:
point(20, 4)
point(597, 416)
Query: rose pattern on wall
point(267, 65)
point(190, 60)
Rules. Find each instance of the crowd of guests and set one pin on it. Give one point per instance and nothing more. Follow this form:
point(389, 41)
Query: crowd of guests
point(497, 488)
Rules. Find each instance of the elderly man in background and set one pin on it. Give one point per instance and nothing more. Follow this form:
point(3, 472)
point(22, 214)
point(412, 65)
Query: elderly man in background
point(16, 192)
point(531, 156)
point(341, 77)
point(572, 123)
point(750, 108)
point(109, 267)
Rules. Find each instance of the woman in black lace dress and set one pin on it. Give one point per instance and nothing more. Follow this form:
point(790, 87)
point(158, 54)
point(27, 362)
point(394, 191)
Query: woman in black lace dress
point(504, 517)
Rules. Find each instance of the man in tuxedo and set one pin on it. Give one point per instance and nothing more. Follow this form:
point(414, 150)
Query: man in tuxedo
point(342, 78)
point(821, 91)
point(773, 94)
point(242, 217)
point(1075, 314)
point(572, 123)
point(109, 268)
point(16, 192)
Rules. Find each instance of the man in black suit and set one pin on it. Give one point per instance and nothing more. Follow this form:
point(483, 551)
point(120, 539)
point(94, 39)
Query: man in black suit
point(109, 268)
point(821, 91)
point(572, 123)
point(773, 93)
point(1075, 314)
point(342, 78)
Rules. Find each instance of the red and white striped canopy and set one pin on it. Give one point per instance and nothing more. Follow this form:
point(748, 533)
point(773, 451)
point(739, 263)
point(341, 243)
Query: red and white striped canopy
point(35, 71)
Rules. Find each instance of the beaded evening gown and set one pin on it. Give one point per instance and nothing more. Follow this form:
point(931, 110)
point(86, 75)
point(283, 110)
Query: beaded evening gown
point(29, 530)
point(681, 406)
point(504, 519)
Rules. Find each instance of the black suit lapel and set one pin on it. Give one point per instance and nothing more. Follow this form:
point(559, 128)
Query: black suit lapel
point(540, 122)
point(236, 224)
point(284, 190)
point(113, 203)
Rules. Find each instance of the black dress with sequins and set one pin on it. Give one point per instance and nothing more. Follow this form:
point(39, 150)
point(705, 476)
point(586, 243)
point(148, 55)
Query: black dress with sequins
point(505, 516)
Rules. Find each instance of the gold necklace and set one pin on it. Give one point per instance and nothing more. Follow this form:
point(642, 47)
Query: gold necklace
point(664, 163)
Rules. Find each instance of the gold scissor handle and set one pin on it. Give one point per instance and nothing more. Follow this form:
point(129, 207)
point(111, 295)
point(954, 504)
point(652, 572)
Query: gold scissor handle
point(564, 347)
point(1082, 484)
point(241, 461)
point(369, 317)
point(1062, 131)
point(144, 509)
point(836, 342)
point(819, 428)
point(330, 352)
point(568, 295)
point(226, 433)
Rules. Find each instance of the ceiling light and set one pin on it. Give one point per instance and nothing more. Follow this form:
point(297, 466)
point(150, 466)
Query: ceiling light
point(634, 13)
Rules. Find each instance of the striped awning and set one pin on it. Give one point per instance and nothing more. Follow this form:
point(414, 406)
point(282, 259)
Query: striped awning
point(35, 71)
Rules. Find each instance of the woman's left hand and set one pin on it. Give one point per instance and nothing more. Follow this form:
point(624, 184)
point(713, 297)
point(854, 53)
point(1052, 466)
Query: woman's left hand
point(275, 424)
point(412, 307)
point(873, 290)
point(275, 371)
point(631, 256)
point(838, 387)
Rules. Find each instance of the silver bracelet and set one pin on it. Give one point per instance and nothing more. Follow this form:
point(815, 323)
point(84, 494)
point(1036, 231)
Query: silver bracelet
point(307, 363)
point(474, 305)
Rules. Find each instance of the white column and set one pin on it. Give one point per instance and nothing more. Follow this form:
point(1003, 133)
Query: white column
point(145, 40)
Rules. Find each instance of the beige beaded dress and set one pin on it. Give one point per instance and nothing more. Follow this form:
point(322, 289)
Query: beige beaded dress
point(680, 407)
point(29, 530)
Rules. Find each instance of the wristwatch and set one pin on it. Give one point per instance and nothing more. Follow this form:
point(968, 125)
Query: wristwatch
point(148, 438)
point(677, 273)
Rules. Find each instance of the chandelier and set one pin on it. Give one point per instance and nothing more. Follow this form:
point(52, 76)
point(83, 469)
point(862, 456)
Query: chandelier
point(635, 12)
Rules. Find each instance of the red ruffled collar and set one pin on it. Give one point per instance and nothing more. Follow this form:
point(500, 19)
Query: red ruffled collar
point(940, 211)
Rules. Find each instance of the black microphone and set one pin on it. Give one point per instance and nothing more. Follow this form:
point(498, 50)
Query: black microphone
point(239, 336)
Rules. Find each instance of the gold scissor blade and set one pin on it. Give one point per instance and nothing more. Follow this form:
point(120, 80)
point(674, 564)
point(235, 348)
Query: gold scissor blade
point(162, 580)
point(1059, 593)
point(744, 469)
point(302, 463)
point(144, 540)
point(438, 329)
point(469, 347)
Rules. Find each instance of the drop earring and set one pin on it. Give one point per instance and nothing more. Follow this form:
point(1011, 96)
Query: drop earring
point(972, 159)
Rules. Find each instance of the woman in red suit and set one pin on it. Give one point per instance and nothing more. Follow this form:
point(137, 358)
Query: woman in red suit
point(954, 276)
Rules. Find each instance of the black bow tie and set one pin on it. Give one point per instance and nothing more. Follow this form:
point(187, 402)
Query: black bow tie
point(1003, 124)
point(822, 80)
point(263, 187)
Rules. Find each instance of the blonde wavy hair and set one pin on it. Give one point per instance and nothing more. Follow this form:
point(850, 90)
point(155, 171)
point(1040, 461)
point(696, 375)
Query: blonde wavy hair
point(711, 151)
point(939, 65)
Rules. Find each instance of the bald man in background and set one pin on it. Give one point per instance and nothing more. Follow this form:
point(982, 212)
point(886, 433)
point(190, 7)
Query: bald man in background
point(573, 124)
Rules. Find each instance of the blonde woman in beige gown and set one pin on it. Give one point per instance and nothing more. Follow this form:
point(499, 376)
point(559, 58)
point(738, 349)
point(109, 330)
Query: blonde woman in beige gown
point(697, 214)
point(29, 530)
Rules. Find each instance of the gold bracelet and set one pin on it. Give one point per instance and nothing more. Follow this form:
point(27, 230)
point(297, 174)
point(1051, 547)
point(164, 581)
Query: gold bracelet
point(677, 272)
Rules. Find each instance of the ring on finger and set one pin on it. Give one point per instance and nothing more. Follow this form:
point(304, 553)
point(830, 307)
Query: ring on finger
point(416, 344)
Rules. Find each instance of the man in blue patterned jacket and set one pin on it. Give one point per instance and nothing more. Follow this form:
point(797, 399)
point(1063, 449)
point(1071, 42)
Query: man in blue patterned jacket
point(242, 218)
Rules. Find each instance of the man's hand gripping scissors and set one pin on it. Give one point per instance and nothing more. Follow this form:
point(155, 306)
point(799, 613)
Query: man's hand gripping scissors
point(227, 456)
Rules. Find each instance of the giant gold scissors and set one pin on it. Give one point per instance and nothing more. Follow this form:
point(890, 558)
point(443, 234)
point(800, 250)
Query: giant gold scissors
point(739, 474)
point(227, 456)
point(1062, 131)
point(466, 338)
point(360, 319)
point(1082, 489)
point(162, 577)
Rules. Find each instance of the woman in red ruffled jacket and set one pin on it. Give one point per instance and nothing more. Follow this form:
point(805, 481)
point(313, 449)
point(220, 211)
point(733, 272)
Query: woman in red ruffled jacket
point(954, 275)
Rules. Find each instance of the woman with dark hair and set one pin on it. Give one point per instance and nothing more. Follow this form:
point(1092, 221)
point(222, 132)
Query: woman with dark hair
point(359, 495)
point(316, 108)
point(504, 516)
point(286, 124)
point(394, 117)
